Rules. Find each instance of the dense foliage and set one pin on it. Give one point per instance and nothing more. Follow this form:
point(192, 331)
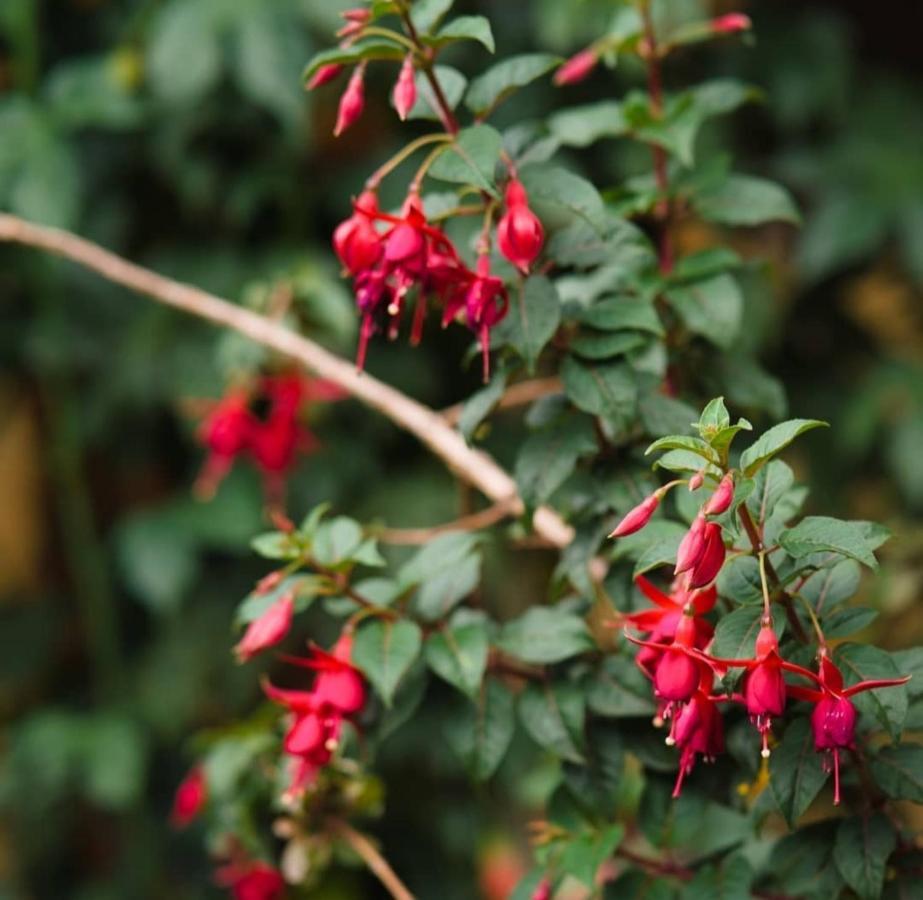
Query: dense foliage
point(604, 307)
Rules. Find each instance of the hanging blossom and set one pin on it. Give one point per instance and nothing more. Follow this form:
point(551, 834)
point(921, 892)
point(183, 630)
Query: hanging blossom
point(261, 422)
point(833, 720)
point(317, 715)
point(251, 880)
point(190, 798)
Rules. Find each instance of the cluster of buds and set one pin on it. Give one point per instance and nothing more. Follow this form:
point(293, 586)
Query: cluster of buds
point(352, 101)
point(392, 258)
point(262, 422)
point(318, 714)
point(675, 653)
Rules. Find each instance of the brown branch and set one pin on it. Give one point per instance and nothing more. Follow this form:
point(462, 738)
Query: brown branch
point(473, 522)
point(427, 425)
point(515, 395)
point(370, 855)
point(756, 541)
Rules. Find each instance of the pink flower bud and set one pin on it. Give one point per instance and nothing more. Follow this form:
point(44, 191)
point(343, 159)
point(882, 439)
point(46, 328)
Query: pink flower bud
point(352, 102)
point(324, 75)
point(834, 723)
point(519, 233)
point(677, 675)
point(692, 545)
point(266, 631)
point(731, 23)
point(542, 890)
point(712, 558)
point(355, 241)
point(251, 881)
point(720, 501)
point(190, 798)
point(405, 89)
point(696, 481)
point(576, 68)
point(637, 518)
point(268, 583)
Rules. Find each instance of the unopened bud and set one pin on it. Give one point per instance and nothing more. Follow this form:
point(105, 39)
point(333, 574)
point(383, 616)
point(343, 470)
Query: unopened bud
point(405, 89)
point(720, 501)
point(731, 23)
point(324, 75)
point(576, 68)
point(637, 518)
point(352, 102)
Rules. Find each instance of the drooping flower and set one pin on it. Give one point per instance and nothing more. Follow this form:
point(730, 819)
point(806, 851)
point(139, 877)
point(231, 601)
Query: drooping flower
point(356, 241)
point(268, 629)
point(578, 67)
point(405, 88)
point(324, 75)
point(712, 559)
point(251, 880)
point(226, 433)
point(352, 102)
point(519, 232)
point(698, 730)
point(834, 717)
point(486, 303)
point(637, 517)
point(721, 499)
point(691, 546)
point(190, 798)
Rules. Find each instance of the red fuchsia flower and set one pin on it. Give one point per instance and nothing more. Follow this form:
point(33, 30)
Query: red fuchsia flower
point(405, 89)
point(712, 558)
point(519, 232)
point(698, 730)
point(542, 890)
point(352, 102)
point(251, 880)
point(834, 718)
point(226, 433)
point(635, 519)
point(691, 546)
point(356, 20)
point(576, 68)
point(190, 798)
point(324, 75)
point(356, 241)
point(720, 500)
point(731, 23)
point(486, 303)
point(267, 630)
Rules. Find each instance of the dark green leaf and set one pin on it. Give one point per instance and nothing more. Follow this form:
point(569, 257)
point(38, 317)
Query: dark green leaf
point(545, 634)
point(385, 650)
point(440, 593)
point(584, 854)
point(773, 441)
point(533, 318)
point(623, 313)
point(684, 442)
point(827, 588)
point(441, 553)
point(863, 845)
point(746, 200)
point(427, 13)
point(861, 662)
point(848, 621)
point(898, 771)
point(465, 28)
point(607, 389)
point(602, 345)
point(549, 456)
point(335, 541)
point(560, 198)
point(500, 80)
point(368, 49)
point(814, 534)
point(480, 404)
point(735, 633)
point(459, 655)
point(618, 689)
point(712, 308)
point(795, 771)
point(553, 716)
point(581, 126)
point(482, 733)
point(471, 158)
point(453, 85)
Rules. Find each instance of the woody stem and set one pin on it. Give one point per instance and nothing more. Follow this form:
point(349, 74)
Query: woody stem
point(370, 855)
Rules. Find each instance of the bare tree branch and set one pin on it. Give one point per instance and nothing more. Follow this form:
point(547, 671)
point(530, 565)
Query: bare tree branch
point(473, 466)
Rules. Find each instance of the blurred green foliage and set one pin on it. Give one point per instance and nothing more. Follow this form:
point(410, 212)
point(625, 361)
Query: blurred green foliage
point(177, 133)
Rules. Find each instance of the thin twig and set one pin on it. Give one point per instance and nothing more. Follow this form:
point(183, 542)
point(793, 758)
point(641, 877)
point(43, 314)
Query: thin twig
point(379, 866)
point(484, 518)
point(516, 395)
point(428, 426)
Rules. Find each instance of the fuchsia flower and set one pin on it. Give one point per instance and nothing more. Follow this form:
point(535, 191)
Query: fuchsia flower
point(356, 19)
point(635, 519)
point(698, 730)
point(352, 102)
point(721, 499)
point(578, 67)
point(486, 303)
point(692, 545)
point(731, 23)
point(519, 232)
point(267, 630)
point(226, 433)
point(339, 692)
point(190, 798)
point(834, 718)
point(251, 880)
point(712, 559)
point(356, 241)
point(324, 75)
point(405, 89)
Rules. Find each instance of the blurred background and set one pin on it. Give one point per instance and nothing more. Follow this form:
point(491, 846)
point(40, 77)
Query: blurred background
point(176, 132)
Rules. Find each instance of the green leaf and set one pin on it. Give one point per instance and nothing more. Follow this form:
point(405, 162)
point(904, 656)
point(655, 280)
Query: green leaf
point(276, 545)
point(426, 14)
point(848, 621)
point(827, 588)
point(685, 461)
point(740, 580)
point(746, 200)
point(553, 716)
point(684, 442)
point(453, 85)
point(802, 864)
point(482, 733)
point(335, 541)
point(385, 650)
point(861, 662)
point(815, 534)
point(584, 854)
point(459, 655)
point(368, 49)
point(623, 313)
point(729, 881)
point(714, 418)
point(549, 456)
point(863, 845)
point(795, 771)
point(502, 79)
point(712, 308)
point(441, 553)
point(464, 28)
point(440, 593)
point(581, 126)
point(606, 346)
point(305, 588)
point(545, 634)
point(898, 772)
point(767, 445)
point(560, 198)
point(480, 404)
point(735, 633)
point(661, 549)
point(771, 484)
point(471, 158)
point(662, 415)
point(184, 52)
point(619, 689)
point(533, 318)
point(602, 389)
